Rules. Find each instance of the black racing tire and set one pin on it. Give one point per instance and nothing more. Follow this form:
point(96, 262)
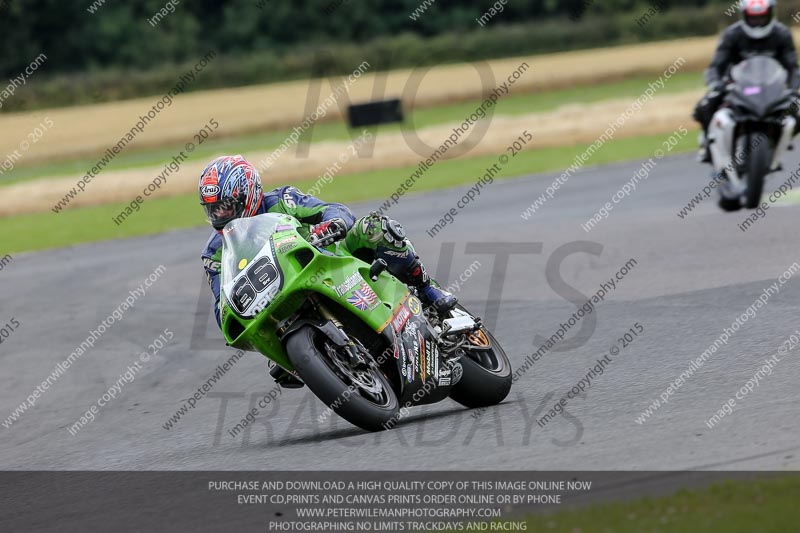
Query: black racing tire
point(486, 380)
point(315, 369)
point(729, 205)
point(758, 165)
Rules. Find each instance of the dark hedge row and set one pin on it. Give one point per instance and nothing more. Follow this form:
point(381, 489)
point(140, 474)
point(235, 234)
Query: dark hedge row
point(116, 53)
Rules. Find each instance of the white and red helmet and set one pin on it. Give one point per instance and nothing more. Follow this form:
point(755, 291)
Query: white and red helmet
point(758, 17)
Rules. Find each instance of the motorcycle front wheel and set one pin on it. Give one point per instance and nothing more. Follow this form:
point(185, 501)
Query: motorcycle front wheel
point(758, 164)
point(362, 396)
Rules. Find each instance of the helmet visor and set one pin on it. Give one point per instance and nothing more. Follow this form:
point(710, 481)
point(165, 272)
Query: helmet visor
point(758, 21)
point(222, 212)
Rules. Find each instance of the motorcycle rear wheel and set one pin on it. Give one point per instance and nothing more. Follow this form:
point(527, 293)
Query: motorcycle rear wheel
point(486, 378)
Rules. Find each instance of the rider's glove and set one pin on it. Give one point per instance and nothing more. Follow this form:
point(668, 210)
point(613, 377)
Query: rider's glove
point(327, 232)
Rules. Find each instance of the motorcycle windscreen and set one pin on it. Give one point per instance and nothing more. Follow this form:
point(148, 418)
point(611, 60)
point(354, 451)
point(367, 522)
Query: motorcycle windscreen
point(251, 276)
point(760, 85)
point(759, 71)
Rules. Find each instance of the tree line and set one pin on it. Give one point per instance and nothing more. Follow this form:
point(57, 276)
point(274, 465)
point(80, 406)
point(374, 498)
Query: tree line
point(101, 50)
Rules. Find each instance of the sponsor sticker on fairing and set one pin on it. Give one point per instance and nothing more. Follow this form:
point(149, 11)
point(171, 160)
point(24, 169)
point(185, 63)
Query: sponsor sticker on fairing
point(434, 354)
point(287, 244)
point(444, 373)
point(400, 318)
point(348, 284)
point(424, 365)
point(428, 362)
point(285, 240)
point(414, 305)
point(415, 342)
point(397, 347)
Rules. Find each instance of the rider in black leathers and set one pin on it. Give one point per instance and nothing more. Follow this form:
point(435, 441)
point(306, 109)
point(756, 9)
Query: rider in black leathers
point(758, 33)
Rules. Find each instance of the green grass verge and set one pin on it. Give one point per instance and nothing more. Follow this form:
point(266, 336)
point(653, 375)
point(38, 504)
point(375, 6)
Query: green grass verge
point(48, 230)
point(337, 130)
point(762, 506)
point(792, 197)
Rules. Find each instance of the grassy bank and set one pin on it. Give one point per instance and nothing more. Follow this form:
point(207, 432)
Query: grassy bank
point(337, 130)
point(762, 506)
point(48, 230)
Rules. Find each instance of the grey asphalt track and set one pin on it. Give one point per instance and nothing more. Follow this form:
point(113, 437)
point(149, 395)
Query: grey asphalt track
point(693, 277)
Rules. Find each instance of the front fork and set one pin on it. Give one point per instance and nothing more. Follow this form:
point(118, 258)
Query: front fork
point(722, 145)
point(787, 132)
point(727, 157)
point(343, 341)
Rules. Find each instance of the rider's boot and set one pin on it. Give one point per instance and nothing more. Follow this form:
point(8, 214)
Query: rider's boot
point(416, 276)
point(703, 154)
point(440, 299)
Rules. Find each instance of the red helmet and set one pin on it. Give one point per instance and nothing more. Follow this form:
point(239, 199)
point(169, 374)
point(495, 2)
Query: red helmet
point(758, 17)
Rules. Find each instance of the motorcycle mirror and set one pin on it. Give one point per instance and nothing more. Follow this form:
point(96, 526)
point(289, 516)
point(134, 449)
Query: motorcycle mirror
point(378, 266)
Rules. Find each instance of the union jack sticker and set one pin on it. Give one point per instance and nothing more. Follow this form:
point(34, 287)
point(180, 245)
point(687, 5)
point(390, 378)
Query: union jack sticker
point(363, 298)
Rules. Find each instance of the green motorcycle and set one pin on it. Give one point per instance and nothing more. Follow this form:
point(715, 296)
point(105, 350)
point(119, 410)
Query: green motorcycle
point(359, 338)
